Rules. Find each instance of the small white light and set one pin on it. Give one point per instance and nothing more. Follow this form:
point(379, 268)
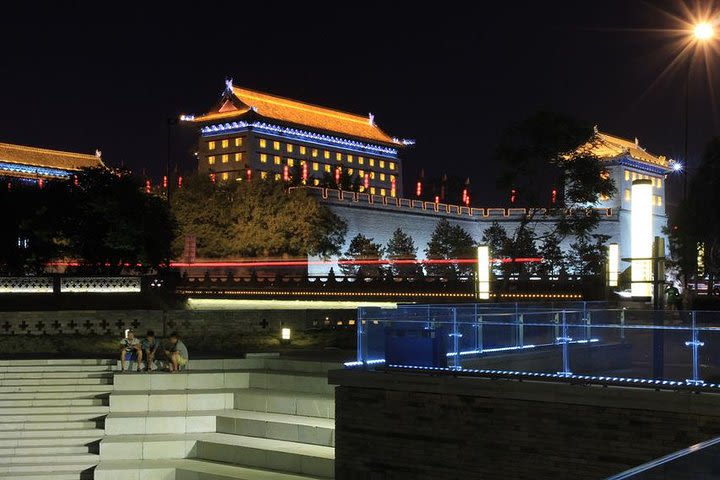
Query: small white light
point(285, 334)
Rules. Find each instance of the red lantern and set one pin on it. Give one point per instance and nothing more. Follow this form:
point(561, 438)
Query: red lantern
point(165, 182)
point(338, 173)
point(41, 183)
point(554, 196)
point(248, 174)
point(212, 177)
point(513, 196)
point(418, 189)
point(179, 182)
point(286, 173)
point(148, 186)
point(304, 172)
point(392, 187)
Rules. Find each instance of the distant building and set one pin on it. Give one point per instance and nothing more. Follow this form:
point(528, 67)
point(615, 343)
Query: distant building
point(34, 164)
point(250, 134)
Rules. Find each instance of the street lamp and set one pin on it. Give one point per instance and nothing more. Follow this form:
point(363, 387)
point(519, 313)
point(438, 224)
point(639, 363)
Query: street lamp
point(702, 32)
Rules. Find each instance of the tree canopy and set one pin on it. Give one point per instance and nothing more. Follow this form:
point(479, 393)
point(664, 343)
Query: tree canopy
point(101, 218)
point(449, 242)
point(402, 247)
point(259, 218)
point(363, 248)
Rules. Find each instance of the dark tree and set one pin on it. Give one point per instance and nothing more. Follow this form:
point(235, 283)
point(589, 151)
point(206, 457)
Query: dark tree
point(588, 255)
point(554, 260)
point(362, 249)
point(449, 242)
point(402, 247)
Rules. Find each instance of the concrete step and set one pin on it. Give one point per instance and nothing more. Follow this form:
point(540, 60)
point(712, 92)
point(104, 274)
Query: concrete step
point(84, 442)
point(252, 452)
point(51, 402)
point(55, 368)
point(40, 458)
point(102, 388)
point(288, 380)
point(266, 453)
point(60, 397)
point(9, 436)
point(12, 382)
point(141, 423)
point(181, 381)
point(285, 402)
point(56, 410)
point(47, 476)
point(289, 365)
point(291, 428)
point(185, 469)
point(38, 450)
point(54, 465)
point(45, 423)
point(57, 361)
point(171, 400)
point(69, 376)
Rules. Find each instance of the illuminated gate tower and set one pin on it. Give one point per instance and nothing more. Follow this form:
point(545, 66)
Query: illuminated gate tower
point(250, 134)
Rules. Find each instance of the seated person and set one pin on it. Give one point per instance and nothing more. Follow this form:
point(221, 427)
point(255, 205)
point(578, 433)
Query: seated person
point(130, 350)
point(177, 353)
point(150, 345)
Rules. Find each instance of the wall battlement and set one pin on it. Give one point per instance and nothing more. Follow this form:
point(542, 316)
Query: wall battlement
point(408, 205)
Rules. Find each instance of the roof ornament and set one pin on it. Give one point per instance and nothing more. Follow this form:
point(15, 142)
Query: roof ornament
point(637, 142)
point(98, 153)
point(371, 119)
point(595, 129)
point(229, 85)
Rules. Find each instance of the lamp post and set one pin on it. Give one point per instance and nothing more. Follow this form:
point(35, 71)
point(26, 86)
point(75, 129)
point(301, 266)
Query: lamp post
point(702, 32)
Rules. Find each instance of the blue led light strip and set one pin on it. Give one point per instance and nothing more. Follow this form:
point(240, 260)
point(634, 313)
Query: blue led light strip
point(656, 169)
point(287, 132)
point(34, 171)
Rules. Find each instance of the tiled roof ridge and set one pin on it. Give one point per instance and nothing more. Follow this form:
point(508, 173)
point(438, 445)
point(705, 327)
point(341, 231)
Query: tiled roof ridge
point(65, 153)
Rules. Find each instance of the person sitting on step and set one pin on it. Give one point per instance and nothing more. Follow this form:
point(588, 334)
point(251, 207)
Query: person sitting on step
point(130, 350)
point(177, 353)
point(150, 345)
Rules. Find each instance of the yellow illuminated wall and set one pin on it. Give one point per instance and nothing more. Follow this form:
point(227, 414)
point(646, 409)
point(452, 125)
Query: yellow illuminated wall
point(641, 237)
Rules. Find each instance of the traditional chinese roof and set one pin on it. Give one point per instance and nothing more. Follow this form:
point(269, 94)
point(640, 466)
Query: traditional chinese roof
point(609, 147)
point(238, 101)
point(46, 159)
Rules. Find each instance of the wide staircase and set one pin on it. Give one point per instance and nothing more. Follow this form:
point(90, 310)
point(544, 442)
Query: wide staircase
point(51, 417)
point(254, 418)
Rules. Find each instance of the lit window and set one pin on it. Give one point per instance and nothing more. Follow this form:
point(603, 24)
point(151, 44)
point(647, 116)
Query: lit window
point(314, 152)
point(392, 178)
point(372, 190)
point(634, 175)
point(627, 175)
point(316, 182)
point(211, 145)
point(350, 171)
point(382, 177)
point(361, 173)
point(238, 157)
point(263, 175)
point(382, 163)
point(392, 165)
point(277, 177)
point(277, 160)
point(327, 168)
point(303, 150)
point(350, 159)
point(326, 154)
point(659, 183)
point(276, 145)
point(627, 194)
point(393, 193)
point(211, 159)
point(382, 192)
point(361, 160)
point(263, 158)
point(659, 201)
point(290, 162)
point(290, 147)
point(225, 158)
point(225, 175)
point(238, 141)
point(315, 166)
point(263, 143)
point(225, 143)
point(338, 156)
point(372, 175)
point(372, 162)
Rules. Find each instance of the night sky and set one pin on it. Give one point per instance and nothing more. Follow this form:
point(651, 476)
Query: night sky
point(82, 78)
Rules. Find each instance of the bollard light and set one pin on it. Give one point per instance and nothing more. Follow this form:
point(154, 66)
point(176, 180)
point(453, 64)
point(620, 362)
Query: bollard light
point(483, 273)
point(641, 238)
point(285, 334)
point(613, 264)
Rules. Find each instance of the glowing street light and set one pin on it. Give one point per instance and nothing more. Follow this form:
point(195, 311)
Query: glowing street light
point(676, 166)
point(703, 31)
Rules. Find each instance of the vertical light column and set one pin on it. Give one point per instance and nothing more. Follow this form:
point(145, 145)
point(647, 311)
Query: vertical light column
point(613, 264)
point(641, 238)
point(483, 272)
